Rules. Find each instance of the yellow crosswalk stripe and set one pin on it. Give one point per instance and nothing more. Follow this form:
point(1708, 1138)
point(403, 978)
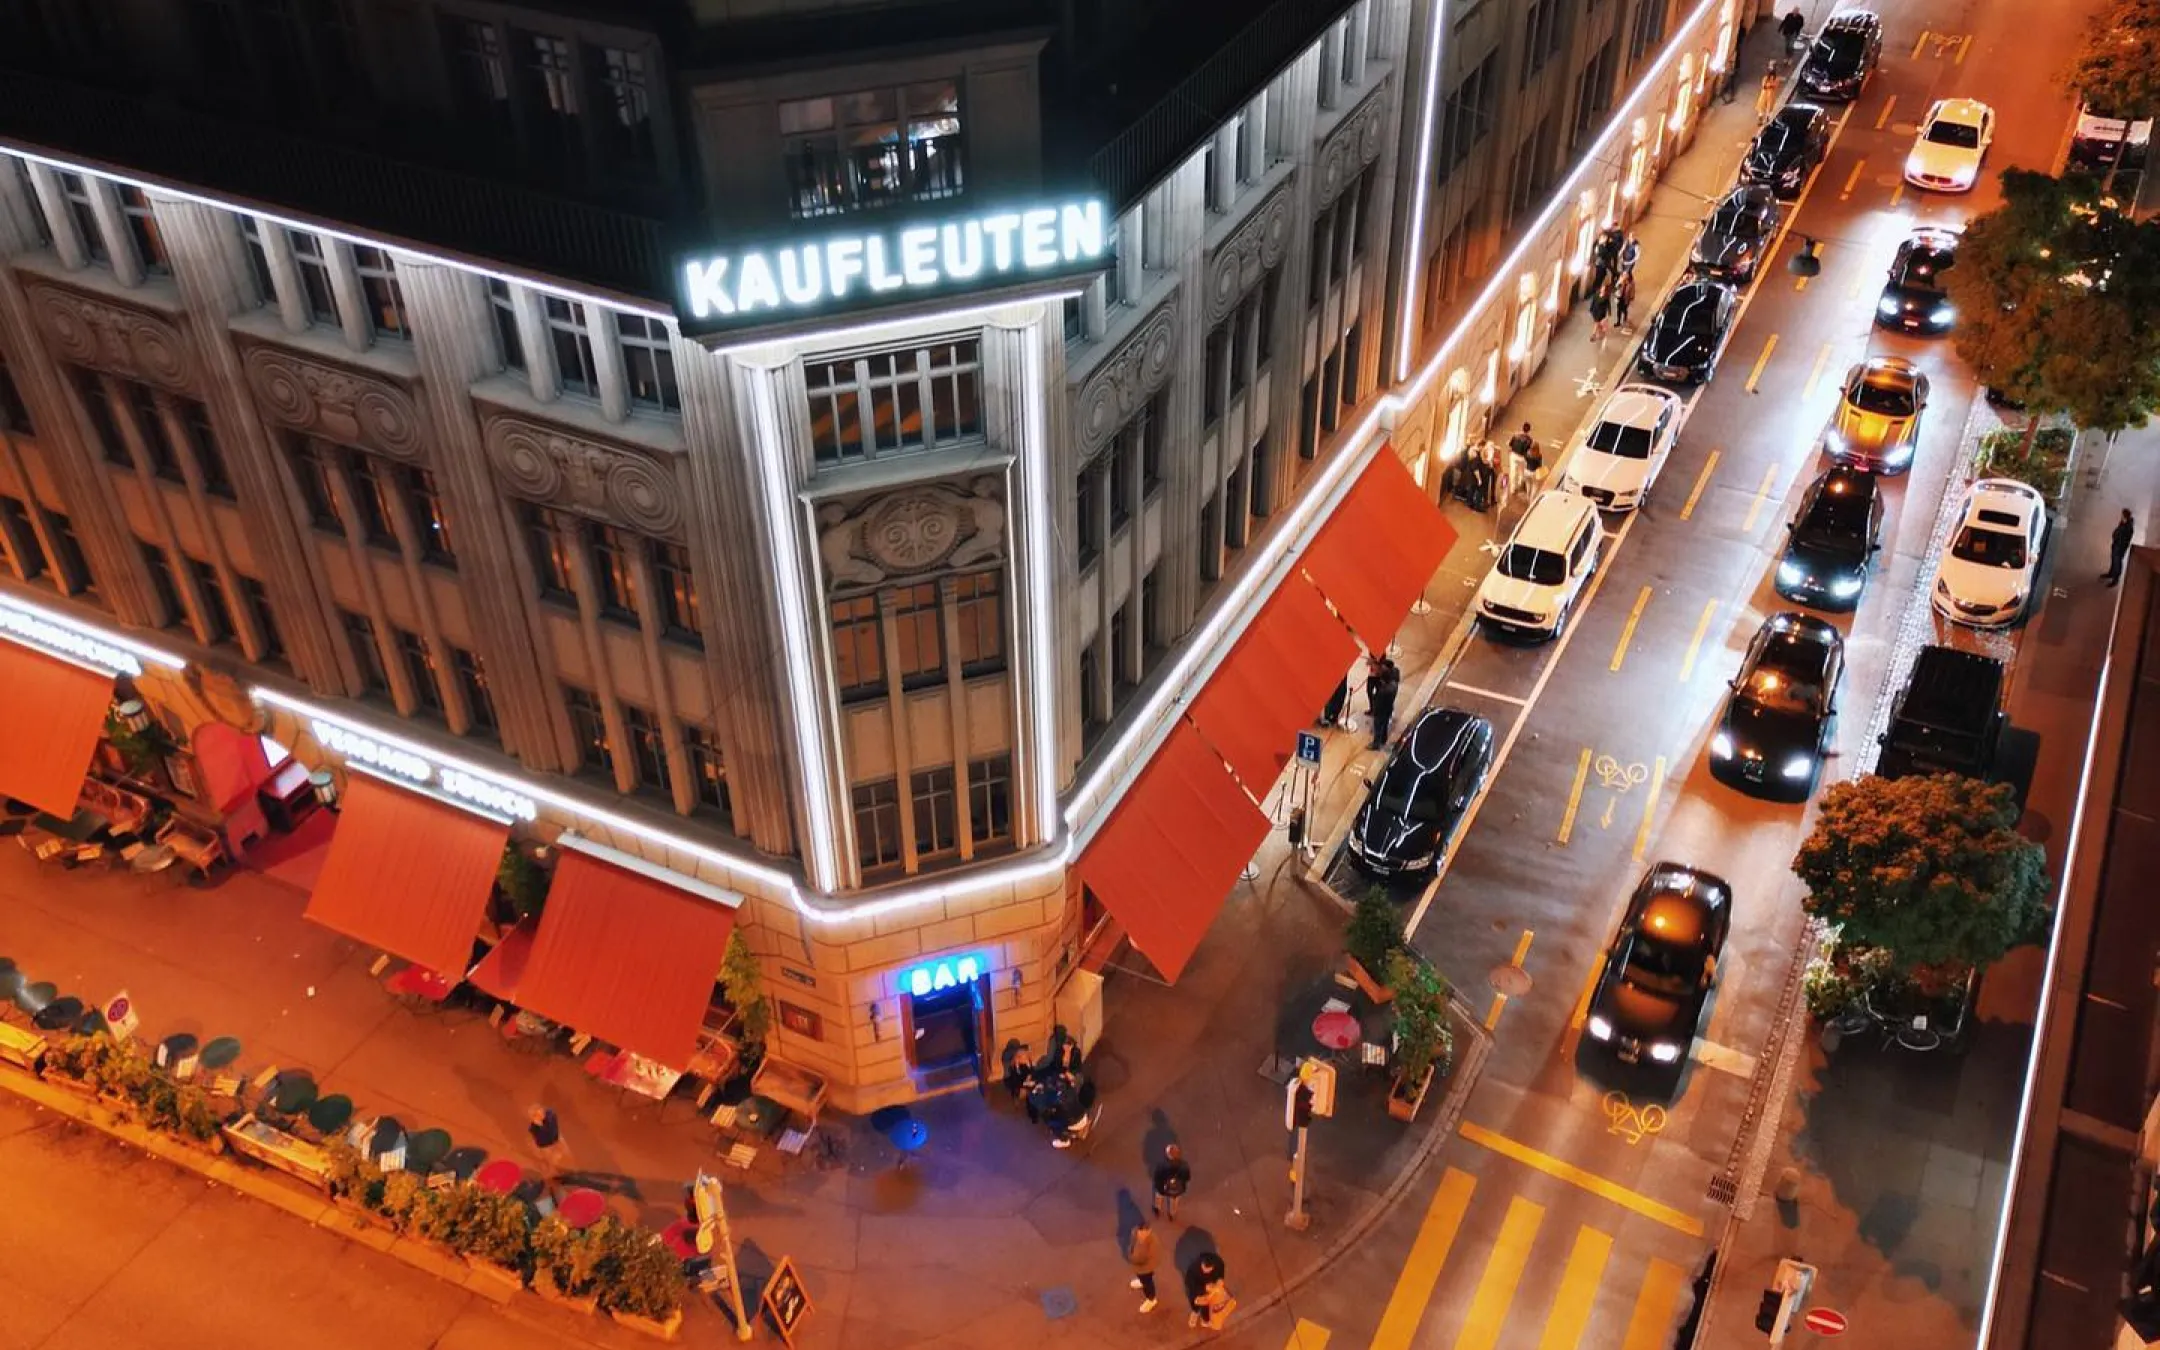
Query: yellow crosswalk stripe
point(1650, 1326)
point(1421, 1269)
point(1578, 1290)
point(1503, 1271)
point(1307, 1336)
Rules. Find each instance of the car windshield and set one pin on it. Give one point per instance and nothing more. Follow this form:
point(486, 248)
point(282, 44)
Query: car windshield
point(1920, 269)
point(1784, 680)
point(1696, 313)
point(1989, 548)
point(1617, 438)
point(1960, 135)
point(1524, 563)
point(1838, 521)
point(1885, 398)
point(1664, 967)
point(1838, 52)
point(1736, 219)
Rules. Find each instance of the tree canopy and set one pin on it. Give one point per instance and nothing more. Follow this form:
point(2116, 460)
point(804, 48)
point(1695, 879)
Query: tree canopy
point(1930, 870)
point(2058, 301)
point(2117, 68)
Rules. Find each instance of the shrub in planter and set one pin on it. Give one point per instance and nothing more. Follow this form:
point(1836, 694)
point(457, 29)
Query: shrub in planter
point(498, 1230)
point(1375, 931)
point(355, 1177)
point(447, 1218)
point(566, 1261)
point(1422, 1037)
point(405, 1199)
point(640, 1276)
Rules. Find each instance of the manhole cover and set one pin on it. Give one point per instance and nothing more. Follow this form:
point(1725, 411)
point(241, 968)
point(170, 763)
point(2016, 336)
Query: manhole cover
point(1513, 981)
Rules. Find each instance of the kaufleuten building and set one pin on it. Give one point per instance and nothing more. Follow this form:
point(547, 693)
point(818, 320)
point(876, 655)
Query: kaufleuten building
point(884, 479)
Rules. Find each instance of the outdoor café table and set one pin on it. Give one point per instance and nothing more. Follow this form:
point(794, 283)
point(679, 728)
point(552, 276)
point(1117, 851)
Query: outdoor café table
point(1336, 1030)
point(760, 1116)
point(418, 982)
point(500, 1177)
point(582, 1208)
point(633, 1073)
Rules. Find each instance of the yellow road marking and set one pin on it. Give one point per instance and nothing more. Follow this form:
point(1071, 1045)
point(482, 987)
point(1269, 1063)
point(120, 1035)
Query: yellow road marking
point(1649, 806)
point(1578, 1291)
point(1503, 1271)
point(1964, 46)
point(1822, 358)
point(1582, 1002)
point(1307, 1336)
point(1428, 1253)
point(1574, 1176)
point(1882, 119)
point(1694, 647)
point(1650, 1327)
point(1918, 45)
point(1574, 798)
point(1852, 179)
point(1762, 494)
point(1499, 1000)
point(1522, 948)
point(1702, 480)
point(1897, 190)
point(1755, 375)
point(1627, 632)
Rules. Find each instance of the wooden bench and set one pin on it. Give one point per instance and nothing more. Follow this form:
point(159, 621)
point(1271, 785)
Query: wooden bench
point(793, 1086)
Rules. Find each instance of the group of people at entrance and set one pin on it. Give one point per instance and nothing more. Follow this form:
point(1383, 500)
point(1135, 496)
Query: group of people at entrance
point(1055, 1089)
point(1612, 281)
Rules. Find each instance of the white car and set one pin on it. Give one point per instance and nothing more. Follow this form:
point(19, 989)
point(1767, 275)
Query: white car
point(1627, 445)
point(1541, 572)
point(1985, 578)
point(1953, 140)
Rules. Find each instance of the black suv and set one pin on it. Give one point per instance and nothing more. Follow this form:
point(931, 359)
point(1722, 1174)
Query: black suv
point(1843, 57)
point(1683, 343)
point(1949, 719)
point(1831, 543)
point(1787, 149)
point(1735, 236)
point(1418, 801)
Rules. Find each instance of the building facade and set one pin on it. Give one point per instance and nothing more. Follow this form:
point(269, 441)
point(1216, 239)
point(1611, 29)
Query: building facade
point(813, 468)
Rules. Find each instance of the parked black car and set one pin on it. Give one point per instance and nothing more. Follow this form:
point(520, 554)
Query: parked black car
point(1844, 56)
point(1648, 1001)
point(1776, 725)
point(1830, 545)
point(1949, 717)
point(1913, 299)
point(1787, 149)
point(1684, 341)
point(1418, 800)
point(1738, 232)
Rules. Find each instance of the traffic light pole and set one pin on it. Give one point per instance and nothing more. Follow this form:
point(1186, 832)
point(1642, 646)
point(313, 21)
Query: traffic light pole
point(1297, 1218)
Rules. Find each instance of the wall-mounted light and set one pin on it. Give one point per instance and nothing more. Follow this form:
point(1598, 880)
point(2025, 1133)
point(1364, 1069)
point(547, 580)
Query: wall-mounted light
point(132, 715)
point(326, 789)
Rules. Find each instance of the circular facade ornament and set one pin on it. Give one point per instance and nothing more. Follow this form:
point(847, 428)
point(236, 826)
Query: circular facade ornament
point(387, 420)
point(641, 494)
point(911, 532)
point(523, 462)
point(283, 393)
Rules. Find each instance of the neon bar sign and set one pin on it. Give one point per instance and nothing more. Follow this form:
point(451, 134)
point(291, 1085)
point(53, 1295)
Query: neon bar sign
point(948, 972)
point(864, 268)
point(399, 762)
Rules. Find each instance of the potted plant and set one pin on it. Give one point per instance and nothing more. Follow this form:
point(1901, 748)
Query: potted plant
point(1375, 932)
point(356, 1183)
point(70, 1064)
point(566, 1263)
point(643, 1284)
point(744, 981)
point(522, 880)
point(497, 1239)
point(405, 1200)
point(1423, 1043)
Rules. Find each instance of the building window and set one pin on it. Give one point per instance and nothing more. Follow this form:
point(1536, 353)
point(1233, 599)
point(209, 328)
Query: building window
point(990, 799)
point(709, 771)
point(572, 342)
point(29, 196)
point(858, 657)
point(16, 532)
point(919, 631)
point(877, 823)
point(1119, 470)
point(979, 601)
point(678, 593)
point(624, 106)
point(103, 424)
point(1088, 537)
point(551, 94)
point(613, 558)
point(508, 340)
point(14, 414)
point(937, 815)
point(142, 229)
point(481, 73)
point(162, 583)
point(648, 362)
point(307, 251)
point(1648, 30)
point(258, 256)
point(368, 500)
point(311, 470)
point(257, 598)
point(216, 613)
point(143, 403)
point(385, 298)
point(472, 679)
point(1216, 371)
point(425, 506)
point(75, 191)
point(1093, 715)
point(1150, 427)
point(894, 402)
point(367, 653)
point(549, 539)
point(874, 148)
point(68, 554)
point(202, 443)
point(419, 671)
point(648, 753)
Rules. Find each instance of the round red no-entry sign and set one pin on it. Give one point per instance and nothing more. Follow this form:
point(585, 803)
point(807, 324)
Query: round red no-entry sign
point(1824, 1321)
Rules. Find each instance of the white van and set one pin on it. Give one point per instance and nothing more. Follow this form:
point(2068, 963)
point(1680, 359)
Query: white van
point(2098, 139)
point(1541, 572)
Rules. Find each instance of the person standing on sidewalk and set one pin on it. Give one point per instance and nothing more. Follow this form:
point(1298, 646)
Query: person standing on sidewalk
point(1521, 446)
point(1380, 690)
point(548, 1147)
point(1623, 296)
point(1600, 311)
point(1332, 713)
point(1503, 482)
point(1790, 27)
point(1202, 1277)
point(1140, 1254)
point(1630, 254)
point(1172, 1176)
point(2119, 547)
point(1766, 97)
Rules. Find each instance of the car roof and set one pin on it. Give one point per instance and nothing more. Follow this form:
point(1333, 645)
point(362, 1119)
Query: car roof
point(1757, 195)
point(1800, 627)
point(1886, 372)
point(1841, 493)
point(1671, 883)
point(1695, 291)
point(1637, 405)
point(1436, 733)
point(1796, 114)
point(1552, 519)
point(1965, 111)
point(2002, 494)
point(1853, 18)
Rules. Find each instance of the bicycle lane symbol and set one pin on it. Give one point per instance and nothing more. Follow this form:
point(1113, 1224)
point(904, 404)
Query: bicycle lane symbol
point(1618, 778)
point(1631, 1122)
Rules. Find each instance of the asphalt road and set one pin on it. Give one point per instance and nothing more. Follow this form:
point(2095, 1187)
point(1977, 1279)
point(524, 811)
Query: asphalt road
point(1579, 1200)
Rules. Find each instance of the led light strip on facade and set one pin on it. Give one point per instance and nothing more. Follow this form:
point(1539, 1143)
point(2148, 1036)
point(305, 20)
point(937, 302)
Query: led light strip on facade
point(465, 787)
point(69, 639)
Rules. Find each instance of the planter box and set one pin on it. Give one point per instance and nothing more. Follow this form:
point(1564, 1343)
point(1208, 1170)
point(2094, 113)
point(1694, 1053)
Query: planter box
point(1372, 988)
point(544, 1285)
point(1404, 1106)
point(506, 1281)
point(73, 1087)
point(666, 1331)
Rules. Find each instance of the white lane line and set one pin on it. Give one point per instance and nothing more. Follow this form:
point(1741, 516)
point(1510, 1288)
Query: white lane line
point(1487, 693)
point(1725, 1059)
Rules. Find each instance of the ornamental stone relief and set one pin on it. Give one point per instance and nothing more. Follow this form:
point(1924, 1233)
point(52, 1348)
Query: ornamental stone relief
point(1240, 261)
point(124, 341)
point(334, 403)
point(607, 482)
point(926, 527)
point(1129, 378)
point(1349, 148)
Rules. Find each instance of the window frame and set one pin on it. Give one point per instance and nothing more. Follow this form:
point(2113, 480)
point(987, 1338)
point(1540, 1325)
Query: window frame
point(929, 379)
point(934, 797)
point(387, 317)
point(648, 357)
point(873, 805)
point(918, 616)
point(568, 321)
point(318, 293)
point(825, 152)
point(78, 197)
point(990, 799)
point(857, 629)
point(473, 683)
point(979, 615)
point(143, 233)
point(588, 728)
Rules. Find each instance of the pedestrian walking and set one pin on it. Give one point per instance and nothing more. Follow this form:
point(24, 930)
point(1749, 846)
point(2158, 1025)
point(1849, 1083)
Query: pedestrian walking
point(1630, 254)
point(1380, 689)
point(1503, 483)
point(2119, 546)
point(548, 1147)
point(1521, 446)
point(1172, 1176)
point(1623, 296)
point(1790, 28)
point(1766, 97)
point(1600, 310)
point(1140, 1255)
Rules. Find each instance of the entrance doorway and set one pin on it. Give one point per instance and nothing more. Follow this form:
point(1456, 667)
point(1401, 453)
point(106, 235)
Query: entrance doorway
point(950, 1039)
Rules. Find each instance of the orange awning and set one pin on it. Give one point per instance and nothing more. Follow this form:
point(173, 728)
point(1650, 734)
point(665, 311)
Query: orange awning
point(408, 874)
point(1374, 556)
point(1171, 851)
point(51, 715)
point(1273, 682)
point(500, 971)
point(626, 957)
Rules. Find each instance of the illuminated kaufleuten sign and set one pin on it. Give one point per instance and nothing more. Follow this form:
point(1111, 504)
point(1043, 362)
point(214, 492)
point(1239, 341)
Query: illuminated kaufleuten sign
point(868, 266)
point(396, 761)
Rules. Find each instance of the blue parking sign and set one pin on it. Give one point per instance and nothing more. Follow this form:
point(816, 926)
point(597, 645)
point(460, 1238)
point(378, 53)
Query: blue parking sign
point(1308, 748)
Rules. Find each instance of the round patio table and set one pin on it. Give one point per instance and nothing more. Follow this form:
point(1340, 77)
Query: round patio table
point(292, 1094)
point(464, 1160)
point(500, 1176)
point(426, 1150)
point(759, 1115)
point(909, 1137)
point(582, 1207)
point(60, 1014)
point(1336, 1030)
point(389, 1135)
point(221, 1052)
point(330, 1114)
point(175, 1048)
point(32, 998)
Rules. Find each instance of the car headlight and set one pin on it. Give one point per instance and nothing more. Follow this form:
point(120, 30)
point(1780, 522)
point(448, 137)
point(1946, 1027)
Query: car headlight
point(1913, 164)
point(1941, 314)
point(1664, 1052)
point(1832, 442)
point(2016, 598)
point(1898, 453)
point(1791, 574)
point(1721, 746)
point(1889, 307)
point(1942, 588)
point(1600, 1028)
point(1845, 588)
point(1963, 177)
point(1425, 861)
point(1797, 767)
